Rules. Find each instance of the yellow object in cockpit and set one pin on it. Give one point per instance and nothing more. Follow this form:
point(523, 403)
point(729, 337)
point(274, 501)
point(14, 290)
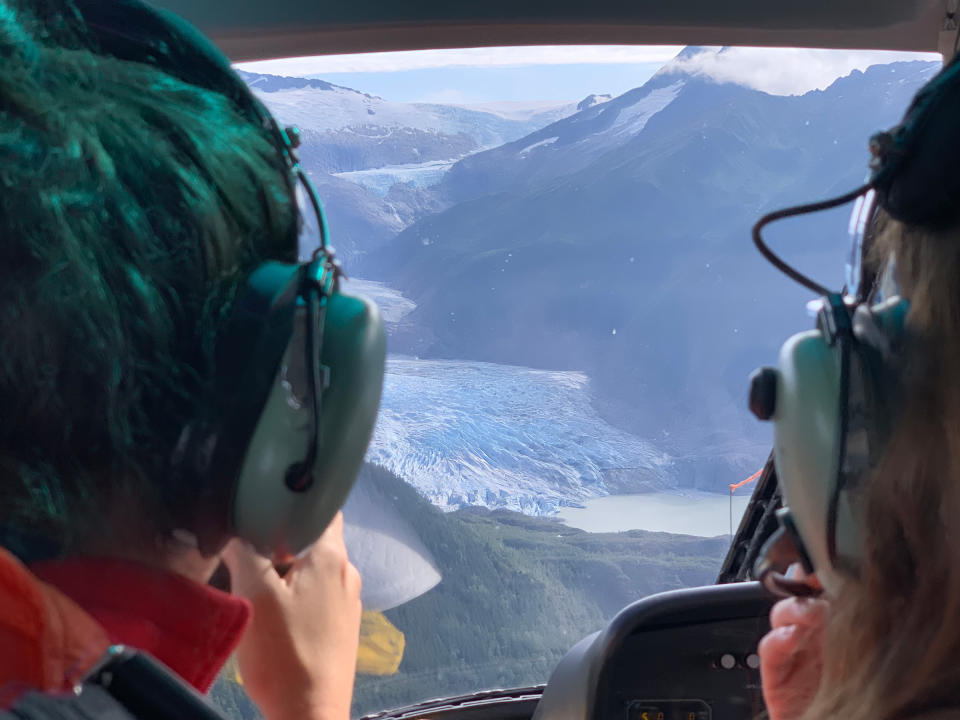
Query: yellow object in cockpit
point(380, 652)
point(381, 645)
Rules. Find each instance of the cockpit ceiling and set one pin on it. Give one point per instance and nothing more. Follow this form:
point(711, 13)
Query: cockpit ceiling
point(256, 29)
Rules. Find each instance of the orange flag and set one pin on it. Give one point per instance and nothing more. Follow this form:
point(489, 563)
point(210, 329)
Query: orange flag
point(734, 486)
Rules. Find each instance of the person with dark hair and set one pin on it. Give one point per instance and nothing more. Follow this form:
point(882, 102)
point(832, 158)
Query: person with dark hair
point(133, 206)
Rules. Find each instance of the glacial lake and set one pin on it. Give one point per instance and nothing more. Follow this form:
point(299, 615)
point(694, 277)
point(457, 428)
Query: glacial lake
point(690, 513)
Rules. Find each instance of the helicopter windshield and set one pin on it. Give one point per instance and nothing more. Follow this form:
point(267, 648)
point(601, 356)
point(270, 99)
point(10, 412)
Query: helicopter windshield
point(558, 239)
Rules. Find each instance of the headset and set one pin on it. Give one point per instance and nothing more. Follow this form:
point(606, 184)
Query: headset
point(834, 396)
point(299, 365)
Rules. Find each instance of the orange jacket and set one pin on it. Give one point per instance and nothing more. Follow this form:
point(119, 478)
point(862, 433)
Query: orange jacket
point(59, 617)
point(48, 641)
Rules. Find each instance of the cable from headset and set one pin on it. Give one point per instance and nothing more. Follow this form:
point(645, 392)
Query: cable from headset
point(288, 140)
point(848, 345)
point(300, 475)
point(324, 245)
point(774, 259)
point(844, 337)
point(836, 325)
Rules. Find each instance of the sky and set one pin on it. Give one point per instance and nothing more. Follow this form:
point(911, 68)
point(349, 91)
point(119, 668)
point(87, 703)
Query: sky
point(477, 75)
point(468, 85)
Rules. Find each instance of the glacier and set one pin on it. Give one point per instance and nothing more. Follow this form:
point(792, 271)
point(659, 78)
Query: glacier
point(380, 180)
point(499, 436)
point(393, 305)
point(541, 112)
point(503, 436)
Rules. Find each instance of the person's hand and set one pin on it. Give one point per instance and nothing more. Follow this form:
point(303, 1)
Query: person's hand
point(791, 655)
point(299, 654)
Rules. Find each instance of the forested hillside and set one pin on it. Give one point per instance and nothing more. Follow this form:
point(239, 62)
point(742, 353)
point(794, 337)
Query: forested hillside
point(517, 593)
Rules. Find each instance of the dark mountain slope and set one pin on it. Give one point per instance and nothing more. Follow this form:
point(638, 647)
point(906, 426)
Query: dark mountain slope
point(648, 235)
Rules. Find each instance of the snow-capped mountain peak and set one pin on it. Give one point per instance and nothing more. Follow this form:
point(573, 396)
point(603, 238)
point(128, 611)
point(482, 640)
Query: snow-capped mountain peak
point(779, 71)
point(590, 100)
point(277, 83)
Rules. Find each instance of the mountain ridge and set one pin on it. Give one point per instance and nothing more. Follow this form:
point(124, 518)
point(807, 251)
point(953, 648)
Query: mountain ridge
point(619, 266)
point(370, 158)
point(266, 82)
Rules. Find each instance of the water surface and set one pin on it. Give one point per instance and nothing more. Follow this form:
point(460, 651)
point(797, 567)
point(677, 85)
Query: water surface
point(687, 513)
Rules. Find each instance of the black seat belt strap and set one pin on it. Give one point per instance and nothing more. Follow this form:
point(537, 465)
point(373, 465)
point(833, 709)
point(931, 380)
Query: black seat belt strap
point(148, 689)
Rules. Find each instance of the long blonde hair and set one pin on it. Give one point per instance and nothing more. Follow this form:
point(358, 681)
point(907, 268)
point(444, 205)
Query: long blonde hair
point(893, 639)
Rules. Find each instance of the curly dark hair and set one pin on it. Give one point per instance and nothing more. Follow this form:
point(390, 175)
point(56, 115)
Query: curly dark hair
point(131, 206)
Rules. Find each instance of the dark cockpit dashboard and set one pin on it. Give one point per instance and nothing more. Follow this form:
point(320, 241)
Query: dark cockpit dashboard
point(681, 655)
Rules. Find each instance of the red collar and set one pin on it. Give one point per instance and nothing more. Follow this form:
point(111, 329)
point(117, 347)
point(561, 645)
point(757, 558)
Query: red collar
point(191, 628)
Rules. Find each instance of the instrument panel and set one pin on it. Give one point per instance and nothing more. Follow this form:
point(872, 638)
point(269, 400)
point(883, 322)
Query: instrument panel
point(669, 710)
point(682, 655)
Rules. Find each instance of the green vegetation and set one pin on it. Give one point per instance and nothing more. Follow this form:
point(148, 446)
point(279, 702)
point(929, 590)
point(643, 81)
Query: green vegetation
point(517, 593)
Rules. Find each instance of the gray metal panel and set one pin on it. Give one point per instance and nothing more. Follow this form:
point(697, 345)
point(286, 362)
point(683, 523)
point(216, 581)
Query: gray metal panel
point(572, 684)
point(572, 691)
point(252, 29)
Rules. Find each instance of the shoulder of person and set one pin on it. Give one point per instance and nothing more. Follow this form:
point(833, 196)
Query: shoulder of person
point(49, 641)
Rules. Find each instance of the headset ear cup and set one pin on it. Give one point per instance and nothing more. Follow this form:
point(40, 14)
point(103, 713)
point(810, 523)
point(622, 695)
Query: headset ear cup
point(204, 465)
point(807, 422)
point(267, 512)
point(879, 335)
point(871, 413)
point(806, 431)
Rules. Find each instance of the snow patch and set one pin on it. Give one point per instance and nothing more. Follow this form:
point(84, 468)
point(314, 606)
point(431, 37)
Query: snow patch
point(524, 111)
point(542, 143)
point(340, 108)
point(393, 305)
point(593, 100)
point(632, 119)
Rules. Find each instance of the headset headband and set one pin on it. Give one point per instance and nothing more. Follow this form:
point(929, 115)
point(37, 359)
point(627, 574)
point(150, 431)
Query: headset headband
point(914, 165)
point(134, 31)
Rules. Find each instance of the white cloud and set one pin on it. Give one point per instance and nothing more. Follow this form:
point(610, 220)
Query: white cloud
point(466, 57)
point(780, 71)
point(785, 71)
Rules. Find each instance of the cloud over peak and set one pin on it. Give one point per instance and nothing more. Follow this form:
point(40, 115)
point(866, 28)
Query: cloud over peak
point(782, 71)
